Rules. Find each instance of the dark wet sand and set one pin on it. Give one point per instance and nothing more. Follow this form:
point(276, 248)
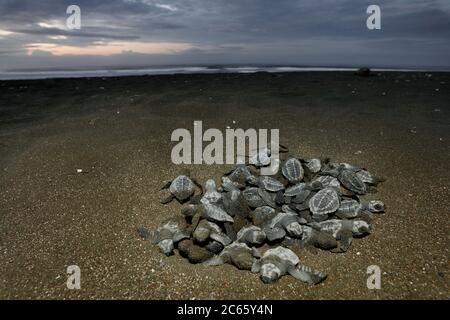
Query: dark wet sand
point(118, 131)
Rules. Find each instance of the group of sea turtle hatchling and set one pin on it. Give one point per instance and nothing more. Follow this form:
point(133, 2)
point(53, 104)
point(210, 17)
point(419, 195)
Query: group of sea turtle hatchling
point(253, 221)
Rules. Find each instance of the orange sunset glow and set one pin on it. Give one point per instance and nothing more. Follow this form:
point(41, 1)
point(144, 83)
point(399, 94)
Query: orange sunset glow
point(110, 48)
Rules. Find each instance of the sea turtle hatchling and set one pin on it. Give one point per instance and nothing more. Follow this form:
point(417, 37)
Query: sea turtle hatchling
point(280, 261)
point(292, 170)
point(359, 228)
point(239, 174)
point(314, 165)
point(238, 254)
point(289, 221)
point(229, 185)
point(348, 178)
point(261, 157)
point(181, 188)
point(268, 198)
point(253, 198)
point(167, 236)
point(327, 181)
point(211, 195)
point(363, 174)
point(352, 181)
point(275, 234)
point(215, 213)
point(207, 230)
point(270, 184)
point(261, 215)
point(298, 193)
point(234, 203)
point(297, 189)
point(349, 209)
point(251, 235)
point(345, 230)
point(316, 238)
point(324, 202)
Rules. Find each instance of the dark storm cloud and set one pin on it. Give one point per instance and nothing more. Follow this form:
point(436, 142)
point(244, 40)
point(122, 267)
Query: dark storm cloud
point(324, 32)
point(60, 32)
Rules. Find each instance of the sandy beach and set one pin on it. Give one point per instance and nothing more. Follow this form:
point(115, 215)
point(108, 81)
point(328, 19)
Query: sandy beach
point(117, 131)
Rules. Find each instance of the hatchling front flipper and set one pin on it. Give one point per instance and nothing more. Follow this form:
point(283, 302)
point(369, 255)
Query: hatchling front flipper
point(166, 185)
point(346, 239)
point(307, 274)
point(198, 185)
point(167, 199)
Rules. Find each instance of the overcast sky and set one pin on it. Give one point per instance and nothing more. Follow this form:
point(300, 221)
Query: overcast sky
point(33, 34)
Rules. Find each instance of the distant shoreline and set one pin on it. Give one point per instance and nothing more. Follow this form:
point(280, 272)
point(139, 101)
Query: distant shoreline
point(172, 70)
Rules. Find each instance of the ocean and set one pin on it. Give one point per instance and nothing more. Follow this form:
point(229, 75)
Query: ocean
point(48, 74)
